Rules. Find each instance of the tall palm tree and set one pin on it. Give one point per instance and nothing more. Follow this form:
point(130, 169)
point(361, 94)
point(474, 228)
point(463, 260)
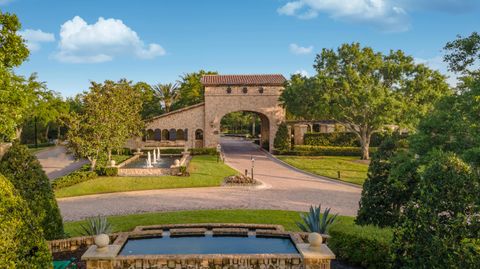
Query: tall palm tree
point(167, 93)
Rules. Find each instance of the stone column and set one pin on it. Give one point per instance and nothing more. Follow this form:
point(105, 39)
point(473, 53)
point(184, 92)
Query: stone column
point(299, 132)
point(316, 255)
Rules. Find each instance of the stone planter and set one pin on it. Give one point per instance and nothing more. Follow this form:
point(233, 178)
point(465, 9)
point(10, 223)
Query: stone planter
point(102, 241)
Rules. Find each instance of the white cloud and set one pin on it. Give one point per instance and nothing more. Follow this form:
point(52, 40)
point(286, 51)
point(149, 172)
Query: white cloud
point(299, 50)
point(101, 42)
point(384, 14)
point(302, 72)
point(437, 63)
point(35, 37)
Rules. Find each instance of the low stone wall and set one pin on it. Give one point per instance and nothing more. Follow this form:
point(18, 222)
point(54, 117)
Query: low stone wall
point(143, 172)
point(74, 243)
point(127, 161)
point(264, 261)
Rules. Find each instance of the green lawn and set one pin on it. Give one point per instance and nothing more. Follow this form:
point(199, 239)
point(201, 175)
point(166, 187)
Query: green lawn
point(328, 166)
point(204, 172)
point(126, 223)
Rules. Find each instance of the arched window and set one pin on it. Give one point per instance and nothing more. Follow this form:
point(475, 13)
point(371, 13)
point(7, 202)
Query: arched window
point(180, 134)
point(186, 134)
point(157, 135)
point(165, 135)
point(173, 134)
point(149, 134)
point(199, 134)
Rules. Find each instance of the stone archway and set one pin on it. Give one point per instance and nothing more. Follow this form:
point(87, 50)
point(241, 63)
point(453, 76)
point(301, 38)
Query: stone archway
point(230, 93)
point(264, 126)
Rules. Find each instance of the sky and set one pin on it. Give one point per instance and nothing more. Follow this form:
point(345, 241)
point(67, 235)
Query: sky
point(77, 41)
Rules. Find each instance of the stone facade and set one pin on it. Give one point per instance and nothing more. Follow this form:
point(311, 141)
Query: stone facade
point(201, 122)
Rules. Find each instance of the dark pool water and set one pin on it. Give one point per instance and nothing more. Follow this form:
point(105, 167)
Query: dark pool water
point(208, 245)
point(164, 162)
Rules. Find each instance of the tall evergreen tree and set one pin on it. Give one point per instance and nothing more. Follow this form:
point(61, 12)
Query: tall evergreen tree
point(22, 244)
point(25, 172)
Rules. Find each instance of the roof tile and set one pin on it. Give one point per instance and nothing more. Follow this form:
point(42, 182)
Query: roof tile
point(261, 80)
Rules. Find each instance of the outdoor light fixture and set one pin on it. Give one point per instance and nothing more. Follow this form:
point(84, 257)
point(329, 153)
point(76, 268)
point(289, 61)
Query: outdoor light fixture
point(253, 165)
point(229, 90)
point(260, 90)
point(245, 90)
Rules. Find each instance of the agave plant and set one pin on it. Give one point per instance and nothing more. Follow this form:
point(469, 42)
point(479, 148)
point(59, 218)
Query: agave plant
point(96, 225)
point(315, 222)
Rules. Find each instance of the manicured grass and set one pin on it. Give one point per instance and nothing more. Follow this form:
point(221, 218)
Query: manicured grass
point(204, 172)
point(126, 223)
point(328, 166)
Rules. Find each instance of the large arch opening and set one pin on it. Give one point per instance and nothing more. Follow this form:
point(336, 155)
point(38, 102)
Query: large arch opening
point(247, 125)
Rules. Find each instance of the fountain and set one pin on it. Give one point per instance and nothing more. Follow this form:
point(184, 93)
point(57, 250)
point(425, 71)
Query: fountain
point(154, 157)
point(158, 154)
point(149, 161)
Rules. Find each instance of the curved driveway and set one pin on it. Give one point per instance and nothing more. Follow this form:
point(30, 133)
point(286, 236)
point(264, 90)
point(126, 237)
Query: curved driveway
point(283, 188)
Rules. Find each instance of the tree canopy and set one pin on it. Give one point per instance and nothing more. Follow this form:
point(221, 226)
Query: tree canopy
point(365, 90)
point(109, 116)
point(191, 90)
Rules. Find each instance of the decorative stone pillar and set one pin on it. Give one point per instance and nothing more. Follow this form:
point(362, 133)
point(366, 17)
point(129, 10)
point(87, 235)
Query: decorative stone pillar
point(316, 255)
point(299, 131)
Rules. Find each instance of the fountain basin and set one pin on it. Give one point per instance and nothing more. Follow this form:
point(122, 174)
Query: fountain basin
point(164, 162)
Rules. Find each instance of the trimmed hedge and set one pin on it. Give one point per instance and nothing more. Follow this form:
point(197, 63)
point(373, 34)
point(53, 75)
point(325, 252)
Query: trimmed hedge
point(27, 176)
point(22, 244)
point(303, 150)
point(73, 178)
point(341, 139)
point(204, 151)
point(366, 246)
point(107, 171)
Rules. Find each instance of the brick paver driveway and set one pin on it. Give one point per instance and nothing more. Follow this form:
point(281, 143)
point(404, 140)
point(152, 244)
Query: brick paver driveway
point(57, 162)
point(283, 188)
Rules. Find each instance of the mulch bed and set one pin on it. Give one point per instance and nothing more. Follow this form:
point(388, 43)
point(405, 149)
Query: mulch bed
point(67, 255)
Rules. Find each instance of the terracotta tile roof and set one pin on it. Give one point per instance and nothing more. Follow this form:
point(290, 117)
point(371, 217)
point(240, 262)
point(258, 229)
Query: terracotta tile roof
point(261, 80)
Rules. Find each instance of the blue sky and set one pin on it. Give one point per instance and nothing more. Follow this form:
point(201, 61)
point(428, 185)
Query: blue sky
point(74, 42)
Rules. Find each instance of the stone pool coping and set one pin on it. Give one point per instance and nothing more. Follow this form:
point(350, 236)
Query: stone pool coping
point(123, 171)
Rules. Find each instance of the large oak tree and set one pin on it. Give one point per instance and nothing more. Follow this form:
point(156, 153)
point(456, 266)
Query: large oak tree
point(365, 91)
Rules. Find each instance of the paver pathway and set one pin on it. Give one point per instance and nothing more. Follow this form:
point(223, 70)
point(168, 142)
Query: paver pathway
point(284, 188)
point(56, 162)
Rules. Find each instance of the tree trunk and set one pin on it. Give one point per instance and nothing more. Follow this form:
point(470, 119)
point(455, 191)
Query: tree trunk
point(18, 133)
point(58, 132)
point(109, 155)
point(46, 131)
point(365, 144)
point(93, 164)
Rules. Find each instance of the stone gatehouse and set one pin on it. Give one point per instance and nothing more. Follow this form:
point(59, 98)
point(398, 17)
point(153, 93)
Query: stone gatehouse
point(199, 125)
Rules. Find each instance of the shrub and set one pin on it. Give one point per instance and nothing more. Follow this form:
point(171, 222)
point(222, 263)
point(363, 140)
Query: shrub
point(171, 151)
point(73, 178)
point(203, 151)
point(96, 225)
point(365, 246)
point(442, 218)
point(338, 139)
point(282, 140)
point(324, 151)
point(316, 222)
point(388, 186)
point(107, 171)
point(22, 244)
point(25, 172)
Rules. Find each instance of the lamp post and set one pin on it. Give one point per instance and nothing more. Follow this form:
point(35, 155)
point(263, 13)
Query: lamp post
point(253, 165)
point(219, 151)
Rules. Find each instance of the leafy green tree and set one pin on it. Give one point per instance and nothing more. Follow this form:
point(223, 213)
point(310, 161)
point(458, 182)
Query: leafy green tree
point(191, 90)
point(167, 94)
point(391, 179)
point(463, 54)
point(25, 173)
point(442, 220)
point(151, 103)
point(22, 244)
point(13, 50)
point(282, 139)
point(110, 116)
point(365, 90)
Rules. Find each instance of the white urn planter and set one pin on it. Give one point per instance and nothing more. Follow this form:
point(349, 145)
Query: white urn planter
point(102, 241)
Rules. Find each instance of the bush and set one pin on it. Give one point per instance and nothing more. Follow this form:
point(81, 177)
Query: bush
point(25, 172)
point(171, 151)
point(365, 246)
point(391, 179)
point(203, 151)
point(442, 219)
point(338, 139)
point(22, 244)
point(107, 171)
point(282, 140)
point(73, 178)
point(324, 151)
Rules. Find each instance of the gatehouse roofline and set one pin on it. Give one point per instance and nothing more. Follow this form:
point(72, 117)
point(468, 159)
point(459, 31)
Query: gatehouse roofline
point(176, 111)
point(244, 80)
